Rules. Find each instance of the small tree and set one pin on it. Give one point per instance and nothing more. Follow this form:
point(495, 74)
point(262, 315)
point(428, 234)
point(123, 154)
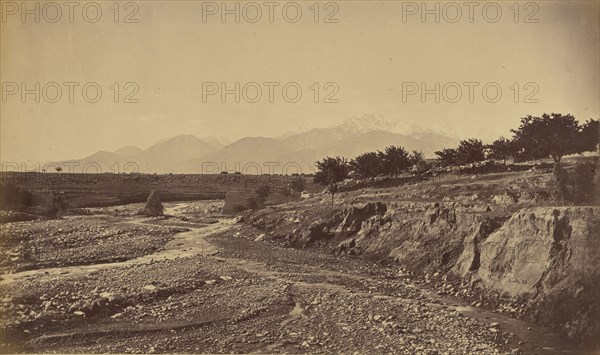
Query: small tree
point(394, 160)
point(331, 171)
point(417, 160)
point(262, 193)
point(58, 169)
point(470, 151)
point(501, 149)
point(447, 156)
point(416, 157)
point(367, 165)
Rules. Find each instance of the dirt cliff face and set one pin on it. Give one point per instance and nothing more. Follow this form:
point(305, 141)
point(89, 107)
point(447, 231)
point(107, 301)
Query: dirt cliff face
point(546, 258)
point(538, 249)
point(549, 255)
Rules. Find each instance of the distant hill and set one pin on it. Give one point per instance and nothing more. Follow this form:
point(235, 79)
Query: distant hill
point(164, 157)
point(190, 154)
point(128, 151)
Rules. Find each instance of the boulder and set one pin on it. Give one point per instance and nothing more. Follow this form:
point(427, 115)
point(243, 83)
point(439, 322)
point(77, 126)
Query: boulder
point(153, 205)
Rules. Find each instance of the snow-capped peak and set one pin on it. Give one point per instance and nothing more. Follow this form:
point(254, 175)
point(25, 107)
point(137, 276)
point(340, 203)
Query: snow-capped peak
point(367, 123)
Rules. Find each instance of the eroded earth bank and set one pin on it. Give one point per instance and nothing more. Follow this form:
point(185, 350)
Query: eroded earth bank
point(440, 268)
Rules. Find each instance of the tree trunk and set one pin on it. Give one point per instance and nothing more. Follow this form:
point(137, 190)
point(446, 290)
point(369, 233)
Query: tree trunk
point(332, 194)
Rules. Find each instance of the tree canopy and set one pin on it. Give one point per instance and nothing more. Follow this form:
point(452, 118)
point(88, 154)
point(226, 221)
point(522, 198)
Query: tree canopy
point(394, 160)
point(553, 135)
point(367, 165)
point(501, 149)
point(331, 170)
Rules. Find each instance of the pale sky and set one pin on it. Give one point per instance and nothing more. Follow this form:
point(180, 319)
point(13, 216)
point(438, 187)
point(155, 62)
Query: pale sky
point(369, 53)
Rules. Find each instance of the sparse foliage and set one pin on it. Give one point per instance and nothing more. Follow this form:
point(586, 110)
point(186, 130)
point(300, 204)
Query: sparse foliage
point(331, 171)
point(416, 157)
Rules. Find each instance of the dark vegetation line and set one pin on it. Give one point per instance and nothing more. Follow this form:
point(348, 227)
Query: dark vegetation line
point(551, 135)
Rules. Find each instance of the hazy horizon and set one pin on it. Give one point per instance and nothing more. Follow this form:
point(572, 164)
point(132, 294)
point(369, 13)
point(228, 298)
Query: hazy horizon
point(368, 55)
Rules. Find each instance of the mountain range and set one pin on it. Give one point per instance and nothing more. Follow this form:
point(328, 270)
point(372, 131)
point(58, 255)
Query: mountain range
point(190, 154)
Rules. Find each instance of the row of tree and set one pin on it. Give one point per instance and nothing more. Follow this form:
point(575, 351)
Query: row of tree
point(551, 135)
point(390, 162)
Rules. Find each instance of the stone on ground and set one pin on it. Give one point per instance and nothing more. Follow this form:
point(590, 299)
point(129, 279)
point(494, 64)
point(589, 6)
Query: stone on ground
point(153, 205)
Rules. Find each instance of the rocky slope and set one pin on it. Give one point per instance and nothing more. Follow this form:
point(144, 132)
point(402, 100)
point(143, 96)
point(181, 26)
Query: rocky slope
point(537, 262)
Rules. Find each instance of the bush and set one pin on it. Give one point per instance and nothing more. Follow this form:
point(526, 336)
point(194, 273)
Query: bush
point(253, 203)
point(285, 191)
point(262, 193)
point(581, 183)
point(297, 184)
point(577, 185)
point(13, 197)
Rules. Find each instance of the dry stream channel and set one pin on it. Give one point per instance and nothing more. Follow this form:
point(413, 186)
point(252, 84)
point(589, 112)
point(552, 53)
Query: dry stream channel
point(529, 338)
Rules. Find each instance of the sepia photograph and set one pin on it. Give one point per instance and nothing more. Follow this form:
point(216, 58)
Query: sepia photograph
point(300, 177)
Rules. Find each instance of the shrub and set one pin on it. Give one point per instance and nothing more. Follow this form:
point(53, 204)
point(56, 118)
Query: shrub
point(297, 184)
point(253, 203)
point(285, 191)
point(581, 183)
point(262, 192)
point(13, 197)
point(578, 185)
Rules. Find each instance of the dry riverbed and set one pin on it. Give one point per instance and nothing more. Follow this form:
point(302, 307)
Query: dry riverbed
point(198, 282)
